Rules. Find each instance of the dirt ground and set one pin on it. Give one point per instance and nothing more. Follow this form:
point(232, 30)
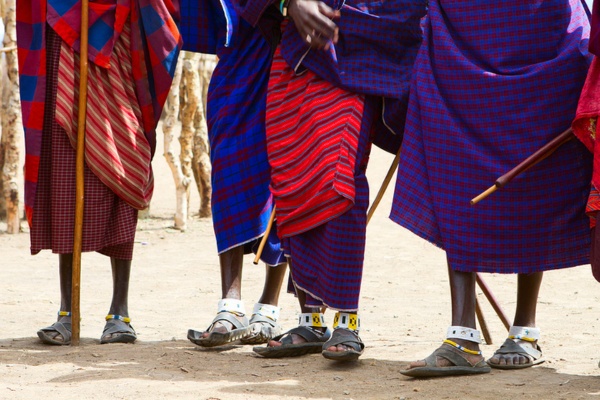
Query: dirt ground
point(175, 286)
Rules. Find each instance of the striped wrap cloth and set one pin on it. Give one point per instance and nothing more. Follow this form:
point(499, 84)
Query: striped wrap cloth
point(154, 46)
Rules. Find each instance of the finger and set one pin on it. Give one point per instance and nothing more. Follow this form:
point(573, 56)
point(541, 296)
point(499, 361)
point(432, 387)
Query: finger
point(316, 41)
point(323, 26)
point(328, 11)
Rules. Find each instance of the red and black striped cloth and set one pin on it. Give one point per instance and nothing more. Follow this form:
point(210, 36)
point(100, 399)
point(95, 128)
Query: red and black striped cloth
point(110, 222)
point(318, 141)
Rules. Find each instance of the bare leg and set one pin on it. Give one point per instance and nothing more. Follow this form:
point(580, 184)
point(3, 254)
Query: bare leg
point(121, 271)
point(273, 281)
point(462, 292)
point(65, 270)
point(528, 288)
point(231, 262)
point(301, 295)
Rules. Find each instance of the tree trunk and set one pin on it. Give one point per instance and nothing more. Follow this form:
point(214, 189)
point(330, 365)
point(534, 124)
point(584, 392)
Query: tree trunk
point(201, 151)
point(169, 123)
point(11, 123)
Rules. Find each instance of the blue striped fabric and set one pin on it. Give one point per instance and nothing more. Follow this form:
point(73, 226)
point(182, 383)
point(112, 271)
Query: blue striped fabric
point(493, 82)
point(241, 200)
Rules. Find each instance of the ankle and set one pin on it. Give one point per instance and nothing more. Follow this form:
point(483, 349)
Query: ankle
point(524, 333)
point(464, 338)
point(266, 310)
point(313, 320)
point(347, 320)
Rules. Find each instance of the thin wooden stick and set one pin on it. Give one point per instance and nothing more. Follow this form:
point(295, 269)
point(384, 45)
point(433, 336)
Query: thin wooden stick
point(7, 49)
point(384, 186)
point(482, 324)
point(263, 241)
point(537, 157)
point(488, 294)
point(78, 229)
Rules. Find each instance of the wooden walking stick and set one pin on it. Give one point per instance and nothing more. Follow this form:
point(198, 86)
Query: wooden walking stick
point(489, 295)
point(531, 161)
point(263, 241)
point(482, 323)
point(78, 229)
point(384, 186)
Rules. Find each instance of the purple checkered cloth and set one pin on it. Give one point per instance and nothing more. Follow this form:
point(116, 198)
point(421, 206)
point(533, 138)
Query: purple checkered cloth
point(241, 200)
point(377, 47)
point(493, 82)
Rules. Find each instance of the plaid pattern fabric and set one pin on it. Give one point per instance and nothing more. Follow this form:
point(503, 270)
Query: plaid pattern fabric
point(493, 82)
point(110, 223)
point(367, 30)
point(201, 21)
point(327, 261)
point(313, 129)
point(241, 200)
point(155, 47)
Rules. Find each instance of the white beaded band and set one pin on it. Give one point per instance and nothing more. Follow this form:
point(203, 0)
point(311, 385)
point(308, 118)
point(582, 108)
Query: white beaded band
point(346, 320)
point(233, 306)
point(526, 333)
point(464, 333)
point(315, 320)
point(266, 310)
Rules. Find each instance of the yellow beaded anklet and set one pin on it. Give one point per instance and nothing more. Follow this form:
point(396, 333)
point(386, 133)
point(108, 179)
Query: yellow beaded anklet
point(525, 338)
point(462, 348)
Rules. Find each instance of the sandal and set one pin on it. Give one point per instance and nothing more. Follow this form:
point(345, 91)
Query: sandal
point(62, 328)
point(455, 354)
point(118, 332)
point(308, 330)
point(263, 324)
point(518, 336)
point(345, 332)
point(231, 311)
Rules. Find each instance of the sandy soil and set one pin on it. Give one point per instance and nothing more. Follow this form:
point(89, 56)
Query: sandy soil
point(175, 286)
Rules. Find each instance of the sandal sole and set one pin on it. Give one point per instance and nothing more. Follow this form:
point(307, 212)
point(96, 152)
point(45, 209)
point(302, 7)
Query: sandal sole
point(341, 355)
point(294, 350)
point(432, 372)
point(520, 366)
point(122, 338)
point(215, 339)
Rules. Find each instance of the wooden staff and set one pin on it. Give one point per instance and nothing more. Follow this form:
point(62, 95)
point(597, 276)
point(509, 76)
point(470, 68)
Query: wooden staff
point(531, 161)
point(78, 229)
point(490, 296)
point(384, 186)
point(263, 241)
point(482, 323)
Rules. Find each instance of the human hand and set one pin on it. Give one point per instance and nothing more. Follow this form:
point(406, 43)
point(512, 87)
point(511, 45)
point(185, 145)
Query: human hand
point(313, 19)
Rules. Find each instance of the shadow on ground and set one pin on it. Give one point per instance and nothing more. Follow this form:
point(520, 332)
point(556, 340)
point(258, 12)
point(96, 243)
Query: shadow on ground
point(309, 376)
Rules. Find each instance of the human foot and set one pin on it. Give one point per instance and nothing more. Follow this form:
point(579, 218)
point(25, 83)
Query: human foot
point(448, 360)
point(118, 329)
point(307, 338)
point(263, 324)
point(229, 325)
point(59, 333)
point(519, 351)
